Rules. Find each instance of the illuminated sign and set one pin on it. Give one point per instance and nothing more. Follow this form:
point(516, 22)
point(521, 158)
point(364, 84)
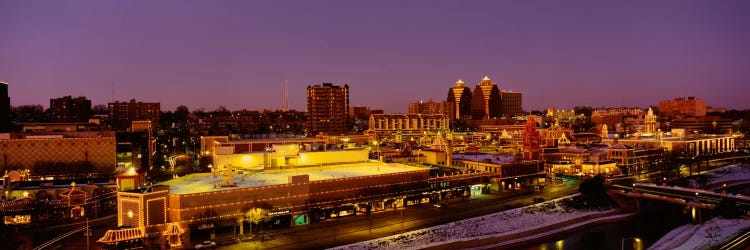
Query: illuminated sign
point(300, 220)
point(279, 213)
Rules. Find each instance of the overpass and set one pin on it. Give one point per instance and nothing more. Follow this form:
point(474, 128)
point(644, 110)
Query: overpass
point(691, 197)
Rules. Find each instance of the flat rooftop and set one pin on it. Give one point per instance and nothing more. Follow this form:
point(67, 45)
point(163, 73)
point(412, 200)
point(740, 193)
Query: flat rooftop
point(489, 158)
point(204, 182)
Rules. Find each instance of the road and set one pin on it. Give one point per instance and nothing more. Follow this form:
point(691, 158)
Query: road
point(29, 239)
point(347, 230)
point(358, 228)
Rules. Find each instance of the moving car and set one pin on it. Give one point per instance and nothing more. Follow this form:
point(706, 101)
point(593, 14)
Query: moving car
point(205, 244)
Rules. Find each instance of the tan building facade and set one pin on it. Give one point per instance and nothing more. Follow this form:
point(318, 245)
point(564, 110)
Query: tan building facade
point(24, 153)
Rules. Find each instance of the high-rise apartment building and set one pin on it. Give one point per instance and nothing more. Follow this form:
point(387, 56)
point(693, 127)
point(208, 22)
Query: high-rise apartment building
point(459, 101)
point(122, 114)
point(328, 106)
point(693, 107)
point(512, 103)
point(69, 109)
point(4, 108)
point(486, 101)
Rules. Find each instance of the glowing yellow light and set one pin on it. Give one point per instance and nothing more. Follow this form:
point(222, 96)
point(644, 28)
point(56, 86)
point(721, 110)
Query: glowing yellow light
point(130, 214)
point(559, 244)
point(693, 213)
point(25, 194)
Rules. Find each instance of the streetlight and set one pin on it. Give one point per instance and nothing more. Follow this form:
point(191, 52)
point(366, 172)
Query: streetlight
point(419, 157)
point(637, 244)
point(377, 145)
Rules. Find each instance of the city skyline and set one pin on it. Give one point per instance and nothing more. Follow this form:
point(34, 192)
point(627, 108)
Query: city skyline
point(238, 55)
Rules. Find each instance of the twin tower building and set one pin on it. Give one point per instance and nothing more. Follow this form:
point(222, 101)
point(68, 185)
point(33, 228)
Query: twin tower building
point(487, 101)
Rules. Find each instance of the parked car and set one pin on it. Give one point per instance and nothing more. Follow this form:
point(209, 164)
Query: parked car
point(205, 244)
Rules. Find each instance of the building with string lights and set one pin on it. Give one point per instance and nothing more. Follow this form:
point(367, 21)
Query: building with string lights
point(293, 186)
point(486, 103)
point(459, 101)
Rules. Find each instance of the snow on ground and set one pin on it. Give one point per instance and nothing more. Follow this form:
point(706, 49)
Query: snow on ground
point(729, 174)
point(709, 235)
point(489, 226)
point(204, 182)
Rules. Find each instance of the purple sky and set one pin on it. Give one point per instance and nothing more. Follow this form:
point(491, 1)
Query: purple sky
point(238, 53)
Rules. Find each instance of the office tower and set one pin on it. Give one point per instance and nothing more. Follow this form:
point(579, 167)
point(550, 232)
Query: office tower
point(512, 103)
point(486, 101)
point(459, 101)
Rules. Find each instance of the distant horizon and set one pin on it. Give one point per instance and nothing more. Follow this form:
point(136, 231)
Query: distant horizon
point(206, 54)
point(208, 109)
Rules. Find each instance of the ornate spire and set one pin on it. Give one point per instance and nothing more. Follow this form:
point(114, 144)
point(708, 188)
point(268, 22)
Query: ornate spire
point(459, 83)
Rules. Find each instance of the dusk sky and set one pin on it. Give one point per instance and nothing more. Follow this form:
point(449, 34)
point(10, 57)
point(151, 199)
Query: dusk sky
point(204, 54)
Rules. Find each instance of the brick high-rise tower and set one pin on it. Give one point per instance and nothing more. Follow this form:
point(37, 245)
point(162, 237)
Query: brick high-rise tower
point(328, 107)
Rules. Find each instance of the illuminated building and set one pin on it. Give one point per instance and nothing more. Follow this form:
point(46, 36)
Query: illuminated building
point(650, 122)
point(704, 125)
point(209, 144)
point(579, 161)
point(122, 114)
point(311, 186)
point(692, 107)
point(678, 142)
point(505, 171)
point(459, 101)
point(633, 160)
point(530, 140)
point(408, 123)
point(68, 109)
point(486, 102)
point(561, 114)
point(607, 117)
point(328, 108)
point(429, 108)
point(4, 108)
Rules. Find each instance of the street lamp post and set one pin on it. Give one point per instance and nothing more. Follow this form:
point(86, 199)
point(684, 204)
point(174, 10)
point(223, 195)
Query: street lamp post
point(377, 145)
point(419, 157)
point(88, 233)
